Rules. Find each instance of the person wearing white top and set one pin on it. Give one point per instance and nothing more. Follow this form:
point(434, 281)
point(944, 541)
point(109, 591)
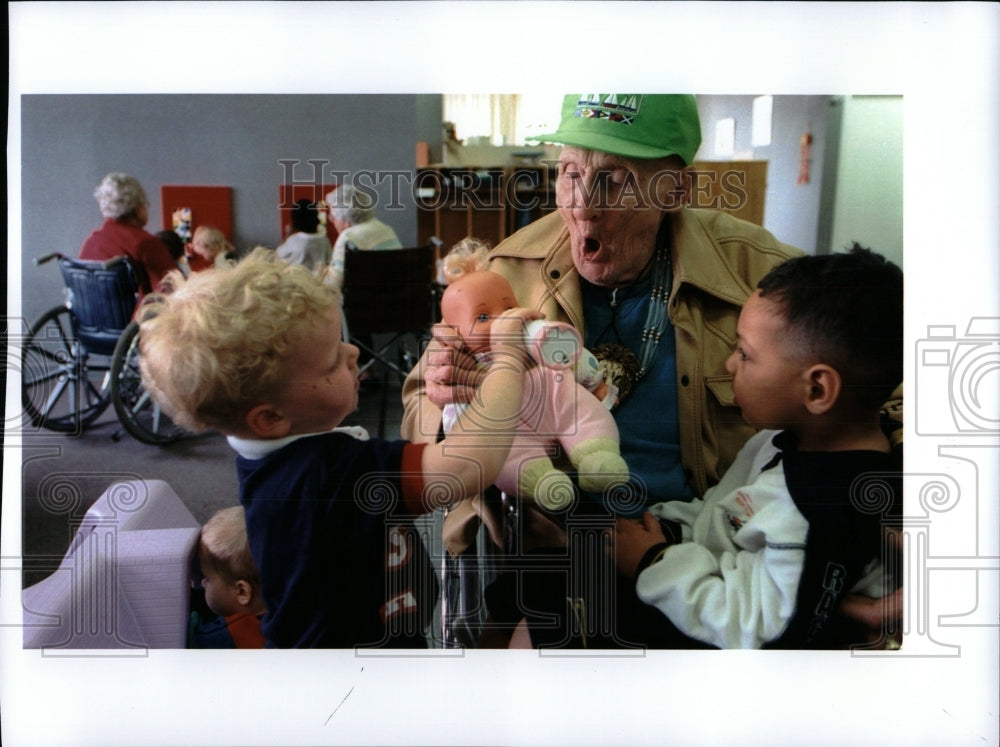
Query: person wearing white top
point(353, 214)
point(305, 246)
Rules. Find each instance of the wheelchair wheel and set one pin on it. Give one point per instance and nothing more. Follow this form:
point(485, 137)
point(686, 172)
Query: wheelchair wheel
point(63, 387)
point(137, 411)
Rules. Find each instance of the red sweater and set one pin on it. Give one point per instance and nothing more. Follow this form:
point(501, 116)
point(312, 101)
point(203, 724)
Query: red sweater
point(149, 255)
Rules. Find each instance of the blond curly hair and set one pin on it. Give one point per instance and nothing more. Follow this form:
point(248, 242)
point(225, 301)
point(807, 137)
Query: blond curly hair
point(215, 345)
point(468, 255)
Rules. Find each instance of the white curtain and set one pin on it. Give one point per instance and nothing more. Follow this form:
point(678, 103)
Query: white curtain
point(483, 115)
point(502, 118)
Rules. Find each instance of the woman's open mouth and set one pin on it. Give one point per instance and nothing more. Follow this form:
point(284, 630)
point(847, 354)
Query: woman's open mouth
point(591, 245)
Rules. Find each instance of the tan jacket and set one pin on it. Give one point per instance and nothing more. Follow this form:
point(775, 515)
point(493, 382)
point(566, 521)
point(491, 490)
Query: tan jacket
point(717, 262)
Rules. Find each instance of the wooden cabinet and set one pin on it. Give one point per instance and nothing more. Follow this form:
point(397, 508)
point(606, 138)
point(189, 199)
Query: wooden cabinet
point(736, 187)
point(486, 203)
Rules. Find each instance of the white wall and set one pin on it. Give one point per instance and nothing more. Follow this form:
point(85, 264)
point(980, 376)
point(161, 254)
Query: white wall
point(867, 205)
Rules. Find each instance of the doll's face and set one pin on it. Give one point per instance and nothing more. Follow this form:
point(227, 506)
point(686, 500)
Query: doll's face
point(471, 303)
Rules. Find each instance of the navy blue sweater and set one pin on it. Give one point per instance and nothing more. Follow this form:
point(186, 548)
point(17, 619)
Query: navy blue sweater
point(340, 563)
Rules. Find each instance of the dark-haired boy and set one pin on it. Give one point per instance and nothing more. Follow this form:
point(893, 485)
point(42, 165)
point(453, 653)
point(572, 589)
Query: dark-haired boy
point(797, 522)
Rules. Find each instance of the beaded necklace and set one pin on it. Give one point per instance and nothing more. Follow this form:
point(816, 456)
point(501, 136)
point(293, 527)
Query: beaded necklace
point(657, 318)
point(656, 315)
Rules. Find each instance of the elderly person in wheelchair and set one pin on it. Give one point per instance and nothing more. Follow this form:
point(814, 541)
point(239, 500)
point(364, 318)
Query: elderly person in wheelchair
point(125, 208)
point(82, 355)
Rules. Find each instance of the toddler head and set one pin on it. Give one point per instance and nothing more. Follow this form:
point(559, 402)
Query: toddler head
point(173, 242)
point(209, 242)
point(231, 579)
point(219, 343)
point(845, 310)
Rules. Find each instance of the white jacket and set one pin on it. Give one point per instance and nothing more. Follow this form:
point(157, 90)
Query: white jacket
point(733, 581)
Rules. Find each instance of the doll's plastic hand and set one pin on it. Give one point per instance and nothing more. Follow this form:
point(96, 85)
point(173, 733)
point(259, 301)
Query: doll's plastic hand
point(632, 539)
point(451, 373)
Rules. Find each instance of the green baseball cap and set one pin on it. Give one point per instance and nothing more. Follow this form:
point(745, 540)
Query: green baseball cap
point(634, 125)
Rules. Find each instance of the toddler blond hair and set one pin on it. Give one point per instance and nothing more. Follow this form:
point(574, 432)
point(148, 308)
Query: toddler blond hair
point(223, 547)
point(211, 241)
point(216, 344)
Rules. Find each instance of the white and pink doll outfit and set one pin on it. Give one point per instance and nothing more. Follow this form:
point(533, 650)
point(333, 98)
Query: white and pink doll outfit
point(558, 411)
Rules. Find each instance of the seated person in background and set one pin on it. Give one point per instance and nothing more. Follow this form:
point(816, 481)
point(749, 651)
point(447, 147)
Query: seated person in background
point(255, 350)
point(353, 214)
point(231, 584)
point(766, 557)
point(125, 209)
point(175, 245)
point(209, 248)
point(305, 246)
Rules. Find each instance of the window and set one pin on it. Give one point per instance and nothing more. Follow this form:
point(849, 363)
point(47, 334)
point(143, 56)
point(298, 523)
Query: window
point(501, 118)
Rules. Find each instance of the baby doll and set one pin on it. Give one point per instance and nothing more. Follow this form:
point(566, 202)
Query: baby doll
point(557, 411)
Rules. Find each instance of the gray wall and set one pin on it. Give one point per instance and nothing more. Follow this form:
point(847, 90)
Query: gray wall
point(69, 142)
point(791, 210)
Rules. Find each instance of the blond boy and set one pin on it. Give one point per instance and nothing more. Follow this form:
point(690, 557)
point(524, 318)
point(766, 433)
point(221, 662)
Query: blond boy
point(255, 350)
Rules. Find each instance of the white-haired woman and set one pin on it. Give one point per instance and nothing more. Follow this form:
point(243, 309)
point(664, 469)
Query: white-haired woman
point(353, 214)
point(125, 209)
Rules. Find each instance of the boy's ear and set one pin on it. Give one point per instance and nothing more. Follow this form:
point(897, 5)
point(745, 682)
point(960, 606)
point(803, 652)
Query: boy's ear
point(823, 388)
point(244, 592)
point(266, 421)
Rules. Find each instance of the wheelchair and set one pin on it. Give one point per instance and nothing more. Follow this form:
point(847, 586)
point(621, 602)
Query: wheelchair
point(82, 356)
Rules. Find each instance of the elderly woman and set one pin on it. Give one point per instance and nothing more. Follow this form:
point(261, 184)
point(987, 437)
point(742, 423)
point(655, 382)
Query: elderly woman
point(125, 208)
point(353, 214)
point(648, 278)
